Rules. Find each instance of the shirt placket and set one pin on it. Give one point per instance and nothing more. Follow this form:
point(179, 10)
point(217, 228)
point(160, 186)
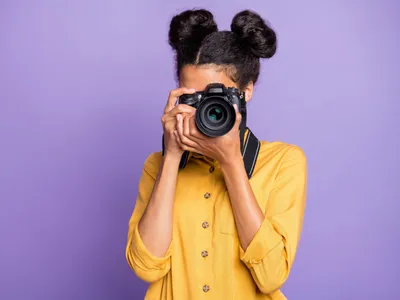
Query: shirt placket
point(205, 242)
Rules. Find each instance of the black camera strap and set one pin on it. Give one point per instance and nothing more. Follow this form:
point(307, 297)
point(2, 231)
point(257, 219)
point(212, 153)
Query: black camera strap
point(250, 146)
point(250, 150)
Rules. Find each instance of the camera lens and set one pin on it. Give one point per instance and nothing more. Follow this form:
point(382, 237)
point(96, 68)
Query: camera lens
point(215, 116)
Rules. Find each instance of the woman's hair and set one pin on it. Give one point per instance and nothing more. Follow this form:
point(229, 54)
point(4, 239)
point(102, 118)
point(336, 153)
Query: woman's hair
point(194, 36)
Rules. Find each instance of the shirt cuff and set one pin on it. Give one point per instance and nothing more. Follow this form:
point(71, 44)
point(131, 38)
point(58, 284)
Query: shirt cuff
point(265, 240)
point(148, 260)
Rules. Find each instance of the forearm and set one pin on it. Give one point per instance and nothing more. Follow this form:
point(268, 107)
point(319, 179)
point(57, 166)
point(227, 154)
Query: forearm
point(247, 213)
point(268, 245)
point(155, 226)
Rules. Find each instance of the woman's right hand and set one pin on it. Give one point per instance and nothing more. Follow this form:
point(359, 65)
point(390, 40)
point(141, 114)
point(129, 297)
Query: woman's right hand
point(169, 121)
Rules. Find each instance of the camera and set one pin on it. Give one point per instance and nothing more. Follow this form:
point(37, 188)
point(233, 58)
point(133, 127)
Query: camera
point(215, 113)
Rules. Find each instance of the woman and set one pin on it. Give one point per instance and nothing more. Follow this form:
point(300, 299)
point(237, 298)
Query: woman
point(207, 231)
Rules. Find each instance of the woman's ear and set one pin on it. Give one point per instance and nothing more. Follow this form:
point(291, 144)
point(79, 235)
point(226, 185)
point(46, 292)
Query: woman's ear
point(248, 91)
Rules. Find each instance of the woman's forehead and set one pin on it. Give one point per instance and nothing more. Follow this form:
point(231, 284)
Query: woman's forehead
point(198, 77)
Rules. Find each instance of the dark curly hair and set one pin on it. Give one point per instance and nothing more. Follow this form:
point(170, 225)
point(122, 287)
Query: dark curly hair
point(194, 36)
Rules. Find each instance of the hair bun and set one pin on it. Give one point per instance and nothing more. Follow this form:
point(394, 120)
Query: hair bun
point(190, 27)
point(252, 29)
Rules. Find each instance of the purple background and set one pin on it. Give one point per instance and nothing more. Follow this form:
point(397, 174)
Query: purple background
point(82, 88)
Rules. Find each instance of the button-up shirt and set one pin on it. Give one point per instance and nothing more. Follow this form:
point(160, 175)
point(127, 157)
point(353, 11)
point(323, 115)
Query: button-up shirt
point(205, 259)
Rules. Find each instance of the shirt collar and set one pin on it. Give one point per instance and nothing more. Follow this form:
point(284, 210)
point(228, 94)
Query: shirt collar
point(198, 156)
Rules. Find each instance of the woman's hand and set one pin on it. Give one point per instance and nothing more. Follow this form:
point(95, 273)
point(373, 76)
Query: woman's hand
point(223, 148)
point(169, 121)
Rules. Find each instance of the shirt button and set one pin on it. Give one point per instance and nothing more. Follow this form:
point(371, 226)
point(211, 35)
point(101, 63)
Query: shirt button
point(207, 195)
point(205, 224)
point(204, 253)
point(206, 288)
point(212, 169)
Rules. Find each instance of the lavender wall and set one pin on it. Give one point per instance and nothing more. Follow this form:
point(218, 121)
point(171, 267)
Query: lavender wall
point(82, 87)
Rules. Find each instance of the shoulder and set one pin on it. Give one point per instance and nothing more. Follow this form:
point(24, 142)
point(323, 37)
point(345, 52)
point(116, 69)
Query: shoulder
point(281, 150)
point(278, 153)
point(152, 163)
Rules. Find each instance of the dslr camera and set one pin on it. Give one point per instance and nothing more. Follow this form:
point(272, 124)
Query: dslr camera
point(215, 113)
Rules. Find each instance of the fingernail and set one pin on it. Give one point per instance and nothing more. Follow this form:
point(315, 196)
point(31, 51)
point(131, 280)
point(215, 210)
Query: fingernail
point(235, 106)
point(178, 117)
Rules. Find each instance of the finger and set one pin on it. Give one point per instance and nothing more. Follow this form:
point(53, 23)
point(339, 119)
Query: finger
point(177, 138)
point(182, 124)
point(185, 138)
point(173, 97)
point(194, 132)
point(188, 142)
point(186, 128)
point(179, 124)
point(189, 148)
point(180, 109)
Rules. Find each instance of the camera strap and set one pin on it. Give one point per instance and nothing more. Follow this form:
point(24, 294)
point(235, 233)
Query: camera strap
point(250, 145)
point(250, 150)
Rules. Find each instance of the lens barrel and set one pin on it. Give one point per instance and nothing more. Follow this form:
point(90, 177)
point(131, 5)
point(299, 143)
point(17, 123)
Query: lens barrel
point(215, 116)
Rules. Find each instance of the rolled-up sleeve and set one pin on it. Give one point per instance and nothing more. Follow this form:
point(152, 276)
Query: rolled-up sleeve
point(271, 252)
point(145, 265)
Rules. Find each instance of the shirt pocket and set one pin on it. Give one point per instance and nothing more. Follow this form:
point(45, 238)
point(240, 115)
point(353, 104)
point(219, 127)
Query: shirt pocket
point(225, 216)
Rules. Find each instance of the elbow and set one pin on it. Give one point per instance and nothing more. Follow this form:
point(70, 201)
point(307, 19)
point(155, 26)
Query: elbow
point(271, 286)
point(147, 271)
point(272, 282)
point(150, 276)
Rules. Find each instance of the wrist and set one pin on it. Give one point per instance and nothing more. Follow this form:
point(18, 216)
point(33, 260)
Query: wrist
point(234, 171)
point(172, 157)
point(233, 161)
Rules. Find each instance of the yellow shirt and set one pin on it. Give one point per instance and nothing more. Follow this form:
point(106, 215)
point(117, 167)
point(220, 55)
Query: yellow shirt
point(205, 259)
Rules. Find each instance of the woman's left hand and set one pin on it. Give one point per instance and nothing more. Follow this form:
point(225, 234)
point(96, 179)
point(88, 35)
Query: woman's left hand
point(223, 148)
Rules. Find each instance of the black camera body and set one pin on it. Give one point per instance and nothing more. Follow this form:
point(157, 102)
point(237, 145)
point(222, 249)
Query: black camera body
point(215, 113)
point(216, 116)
